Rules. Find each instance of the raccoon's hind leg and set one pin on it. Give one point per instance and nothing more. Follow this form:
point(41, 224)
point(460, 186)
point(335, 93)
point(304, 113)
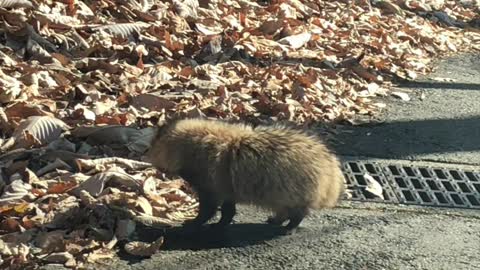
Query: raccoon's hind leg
point(279, 217)
point(228, 212)
point(296, 215)
point(207, 209)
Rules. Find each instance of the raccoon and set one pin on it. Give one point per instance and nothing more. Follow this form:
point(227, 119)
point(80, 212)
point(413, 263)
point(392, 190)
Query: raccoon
point(277, 168)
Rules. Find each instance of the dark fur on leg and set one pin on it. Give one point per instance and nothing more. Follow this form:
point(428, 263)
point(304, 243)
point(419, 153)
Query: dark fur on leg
point(228, 212)
point(296, 216)
point(207, 209)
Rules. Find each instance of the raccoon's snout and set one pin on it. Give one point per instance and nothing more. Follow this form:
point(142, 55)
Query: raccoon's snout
point(151, 161)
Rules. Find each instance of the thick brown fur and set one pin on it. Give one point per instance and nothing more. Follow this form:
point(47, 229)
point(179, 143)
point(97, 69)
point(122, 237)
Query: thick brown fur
point(274, 167)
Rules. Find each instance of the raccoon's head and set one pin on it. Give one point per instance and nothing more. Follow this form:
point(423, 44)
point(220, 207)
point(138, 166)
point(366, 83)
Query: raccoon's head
point(161, 150)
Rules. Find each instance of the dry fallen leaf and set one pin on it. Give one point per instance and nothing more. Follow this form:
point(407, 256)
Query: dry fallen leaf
point(401, 95)
point(144, 206)
point(296, 41)
point(60, 257)
point(373, 186)
point(144, 249)
point(88, 164)
point(62, 187)
point(38, 130)
point(152, 102)
point(10, 88)
point(15, 192)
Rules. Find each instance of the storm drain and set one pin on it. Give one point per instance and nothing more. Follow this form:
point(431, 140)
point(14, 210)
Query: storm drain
point(408, 183)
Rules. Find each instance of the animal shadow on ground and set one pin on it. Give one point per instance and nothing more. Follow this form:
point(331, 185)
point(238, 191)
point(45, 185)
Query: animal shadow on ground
point(439, 85)
point(235, 235)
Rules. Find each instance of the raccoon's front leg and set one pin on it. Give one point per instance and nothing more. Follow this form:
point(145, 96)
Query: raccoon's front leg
point(228, 212)
point(207, 208)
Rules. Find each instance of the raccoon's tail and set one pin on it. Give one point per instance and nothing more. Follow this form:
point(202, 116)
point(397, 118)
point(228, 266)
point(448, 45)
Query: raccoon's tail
point(329, 195)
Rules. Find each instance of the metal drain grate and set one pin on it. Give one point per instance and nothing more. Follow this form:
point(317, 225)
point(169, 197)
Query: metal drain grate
point(407, 183)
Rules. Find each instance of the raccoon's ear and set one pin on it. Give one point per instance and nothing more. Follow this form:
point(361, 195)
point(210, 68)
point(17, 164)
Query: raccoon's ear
point(164, 124)
point(161, 128)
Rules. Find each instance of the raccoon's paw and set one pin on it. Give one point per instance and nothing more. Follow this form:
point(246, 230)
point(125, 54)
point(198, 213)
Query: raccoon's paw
point(274, 220)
